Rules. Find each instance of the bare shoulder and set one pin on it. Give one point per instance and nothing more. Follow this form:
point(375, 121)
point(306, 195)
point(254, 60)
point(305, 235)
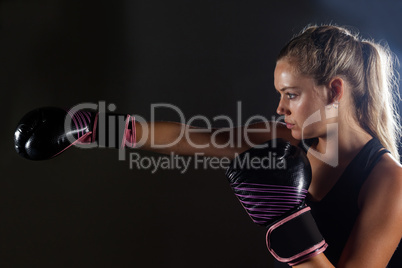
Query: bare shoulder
point(388, 166)
point(384, 182)
point(377, 231)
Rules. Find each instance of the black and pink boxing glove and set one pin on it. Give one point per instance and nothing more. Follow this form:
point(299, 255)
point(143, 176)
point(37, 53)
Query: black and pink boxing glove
point(46, 132)
point(271, 182)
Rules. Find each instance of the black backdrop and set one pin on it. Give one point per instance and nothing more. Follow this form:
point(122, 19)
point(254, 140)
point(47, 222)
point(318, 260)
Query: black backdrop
point(86, 208)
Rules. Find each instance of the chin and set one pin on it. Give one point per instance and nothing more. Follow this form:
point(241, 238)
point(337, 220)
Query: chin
point(297, 135)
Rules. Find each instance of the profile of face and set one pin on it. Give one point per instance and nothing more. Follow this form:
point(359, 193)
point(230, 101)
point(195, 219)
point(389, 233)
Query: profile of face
point(300, 97)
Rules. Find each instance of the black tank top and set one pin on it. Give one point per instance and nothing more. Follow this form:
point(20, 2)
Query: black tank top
point(336, 213)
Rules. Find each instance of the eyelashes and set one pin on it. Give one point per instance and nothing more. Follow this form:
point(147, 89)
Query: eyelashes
point(291, 96)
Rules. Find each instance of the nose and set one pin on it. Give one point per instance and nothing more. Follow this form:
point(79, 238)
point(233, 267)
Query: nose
point(282, 108)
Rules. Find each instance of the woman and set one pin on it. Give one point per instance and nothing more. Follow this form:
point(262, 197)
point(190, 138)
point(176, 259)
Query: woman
point(336, 97)
point(356, 189)
point(328, 65)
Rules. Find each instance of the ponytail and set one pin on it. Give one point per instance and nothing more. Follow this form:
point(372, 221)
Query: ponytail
point(378, 112)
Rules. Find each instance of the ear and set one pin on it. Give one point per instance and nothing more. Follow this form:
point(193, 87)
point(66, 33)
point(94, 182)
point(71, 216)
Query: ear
point(336, 89)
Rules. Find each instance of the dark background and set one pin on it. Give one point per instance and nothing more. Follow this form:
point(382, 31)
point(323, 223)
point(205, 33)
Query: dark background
point(86, 208)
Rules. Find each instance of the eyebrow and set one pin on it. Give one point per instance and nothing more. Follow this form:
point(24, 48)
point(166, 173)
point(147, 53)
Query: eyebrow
point(285, 88)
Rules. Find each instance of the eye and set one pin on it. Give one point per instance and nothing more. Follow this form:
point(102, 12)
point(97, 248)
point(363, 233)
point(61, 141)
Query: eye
point(291, 96)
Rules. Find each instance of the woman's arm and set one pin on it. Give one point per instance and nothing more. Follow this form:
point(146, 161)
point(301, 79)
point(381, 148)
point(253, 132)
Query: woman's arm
point(167, 137)
point(46, 132)
point(378, 229)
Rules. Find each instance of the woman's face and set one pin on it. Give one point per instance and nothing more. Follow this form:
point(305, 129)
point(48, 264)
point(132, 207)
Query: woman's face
point(300, 99)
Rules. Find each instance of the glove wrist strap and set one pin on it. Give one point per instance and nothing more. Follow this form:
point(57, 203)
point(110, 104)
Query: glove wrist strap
point(115, 131)
point(107, 130)
point(295, 238)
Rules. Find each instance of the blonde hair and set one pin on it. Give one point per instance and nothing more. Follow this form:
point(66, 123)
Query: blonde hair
point(324, 52)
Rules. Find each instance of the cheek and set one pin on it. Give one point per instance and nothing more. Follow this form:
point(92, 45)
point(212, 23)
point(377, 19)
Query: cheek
point(313, 122)
point(307, 115)
point(300, 110)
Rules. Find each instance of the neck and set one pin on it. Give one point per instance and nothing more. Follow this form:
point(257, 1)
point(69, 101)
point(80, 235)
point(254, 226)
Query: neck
point(342, 143)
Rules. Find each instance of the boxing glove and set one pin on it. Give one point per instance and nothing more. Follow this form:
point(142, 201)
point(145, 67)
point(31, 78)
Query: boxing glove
point(46, 132)
point(271, 182)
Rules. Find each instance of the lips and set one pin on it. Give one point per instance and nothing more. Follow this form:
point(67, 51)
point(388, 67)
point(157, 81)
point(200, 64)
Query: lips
point(289, 125)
